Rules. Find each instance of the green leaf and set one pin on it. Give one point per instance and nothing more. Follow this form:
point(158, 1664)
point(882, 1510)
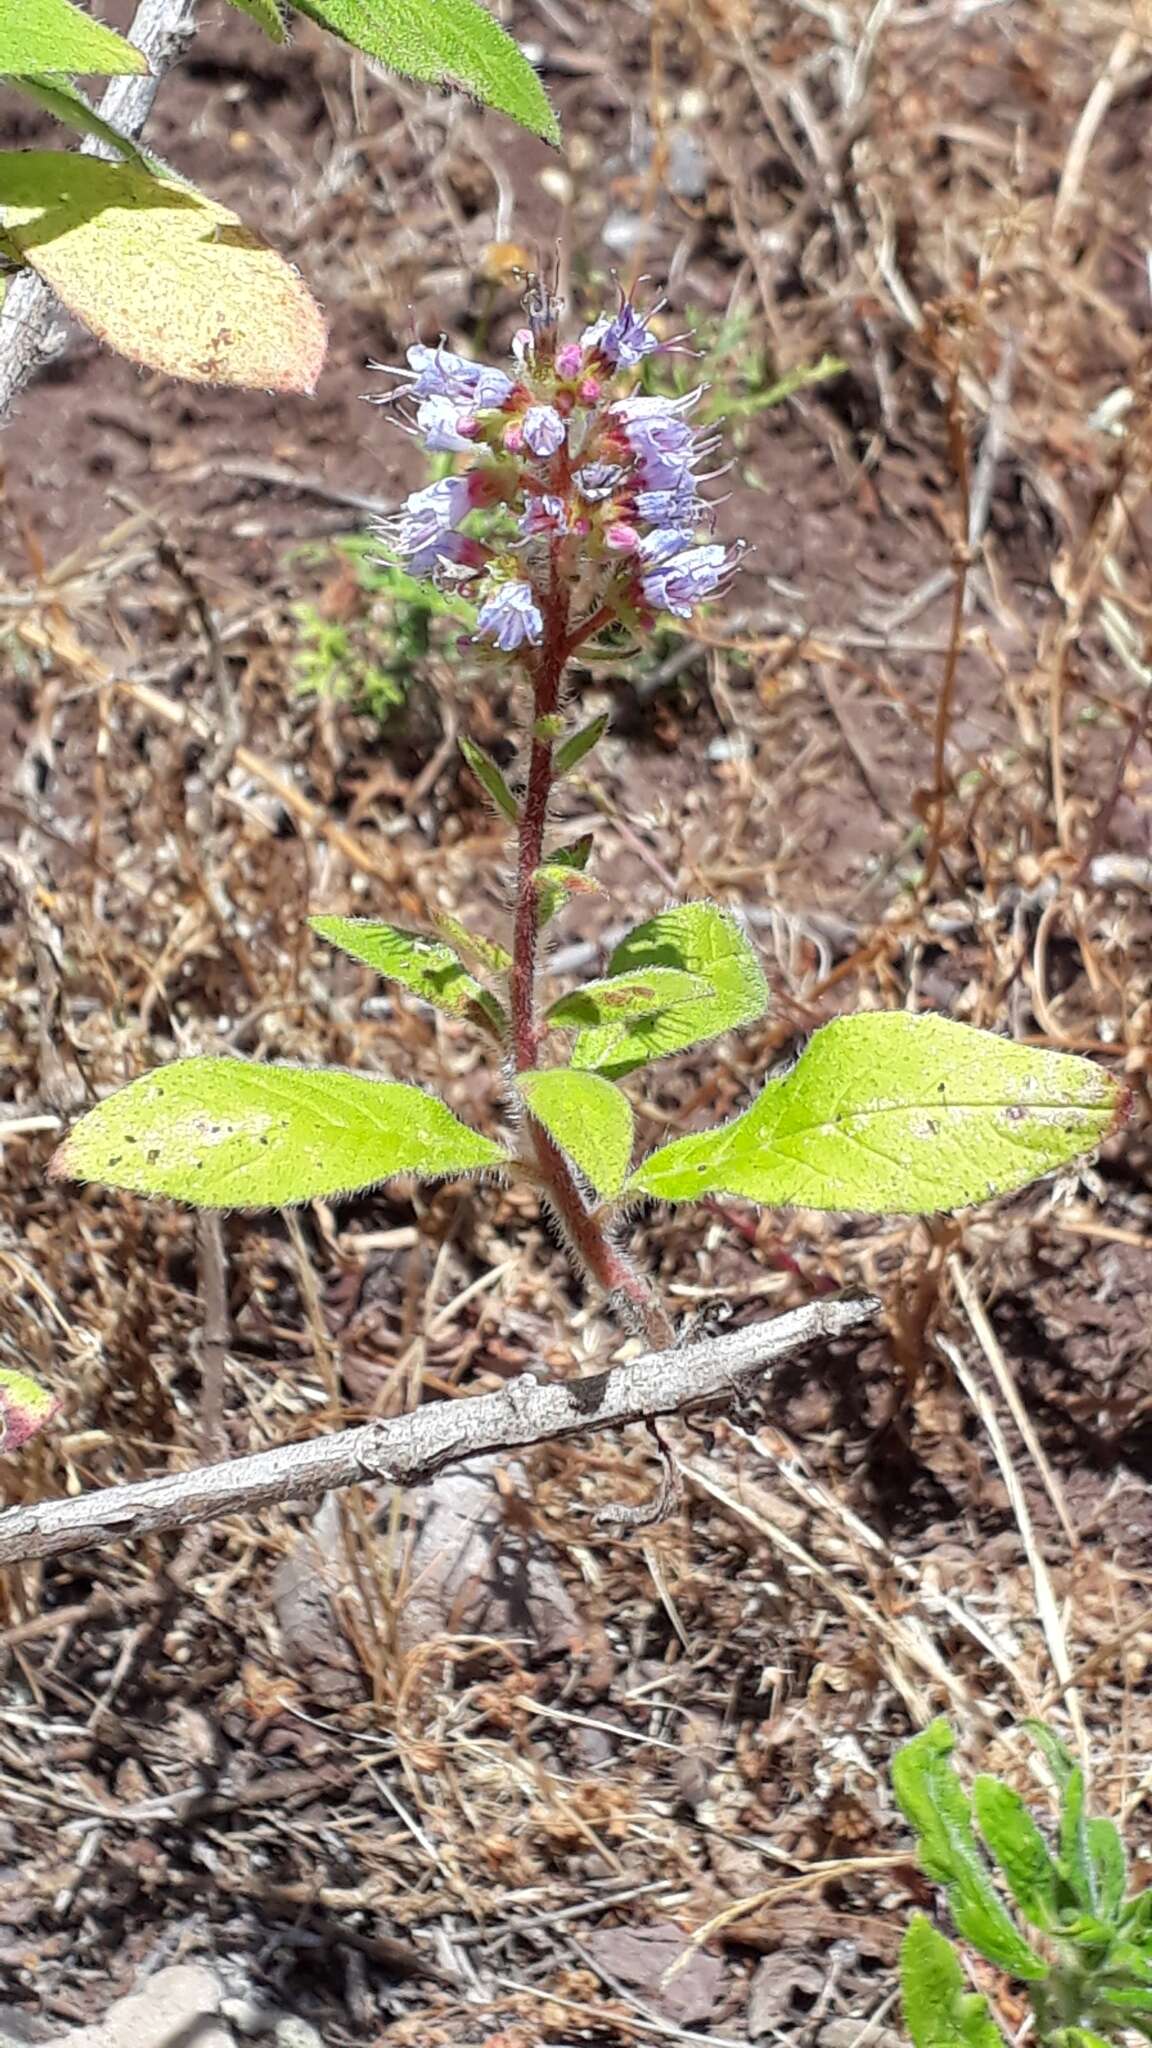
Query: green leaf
point(575, 856)
point(52, 35)
point(697, 939)
point(269, 16)
point(935, 1805)
point(890, 1113)
point(934, 1802)
point(561, 876)
point(426, 966)
point(1077, 2037)
point(488, 953)
point(1074, 1854)
point(25, 1408)
point(590, 1120)
point(573, 750)
point(62, 99)
point(1085, 1929)
point(983, 1921)
point(1110, 1864)
point(226, 1134)
point(1052, 1750)
point(490, 778)
point(938, 2011)
point(1126, 1998)
point(1020, 1850)
point(160, 272)
point(443, 42)
point(608, 1004)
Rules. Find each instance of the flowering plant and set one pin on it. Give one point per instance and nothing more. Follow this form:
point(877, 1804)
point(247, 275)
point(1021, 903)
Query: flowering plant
point(588, 494)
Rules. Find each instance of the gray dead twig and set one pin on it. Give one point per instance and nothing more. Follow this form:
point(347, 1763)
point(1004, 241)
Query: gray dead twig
point(411, 1447)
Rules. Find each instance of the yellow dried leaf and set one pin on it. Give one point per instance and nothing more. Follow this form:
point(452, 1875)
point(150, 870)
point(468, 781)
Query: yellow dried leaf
point(161, 272)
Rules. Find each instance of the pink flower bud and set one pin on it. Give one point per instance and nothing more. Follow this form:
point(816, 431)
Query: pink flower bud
point(569, 360)
point(621, 537)
point(591, 391)
point(514, 438)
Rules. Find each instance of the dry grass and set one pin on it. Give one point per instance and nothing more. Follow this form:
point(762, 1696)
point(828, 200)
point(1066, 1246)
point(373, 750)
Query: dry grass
point(913, 752)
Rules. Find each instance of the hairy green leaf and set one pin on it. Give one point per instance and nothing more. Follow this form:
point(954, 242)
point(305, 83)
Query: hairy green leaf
point(1074, 1853)
point(983, 1920)
point(589, 1118)
point(61, 98)
point(269, 16)
point(1077, 2037)
point(578, 744)
point(1126, 1998)
point(1129, 1959)
point(448, 42)
point(160, 272)
point(226, 1133)
point(697, 939)
point(1020, 1850)
point(1135, 1916)
point(1052, 1750)
point(488, 953)
point(554, 885)
point(25, 1408)
point(426, 966)
point(575, 856)
point(892, 1113)
point(561, 876)
point(938, 2011)
point(608, 1004)
point(52, 35)
point(1110, 1864)
point(490, 778)
point(934, 1802)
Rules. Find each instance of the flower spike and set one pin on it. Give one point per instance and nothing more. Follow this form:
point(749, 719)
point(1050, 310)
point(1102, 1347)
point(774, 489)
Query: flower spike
point(586, 482)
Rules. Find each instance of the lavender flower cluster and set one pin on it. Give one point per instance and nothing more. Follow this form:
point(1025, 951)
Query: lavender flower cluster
point(594, 487)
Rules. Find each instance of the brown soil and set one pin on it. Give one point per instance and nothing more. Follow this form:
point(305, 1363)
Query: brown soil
point(235, 1748)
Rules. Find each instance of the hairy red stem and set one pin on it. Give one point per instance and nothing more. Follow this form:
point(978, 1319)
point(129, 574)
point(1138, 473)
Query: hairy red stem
point(584, 1230)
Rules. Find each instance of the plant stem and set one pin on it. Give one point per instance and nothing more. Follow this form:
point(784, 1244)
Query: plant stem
point(585, 1232)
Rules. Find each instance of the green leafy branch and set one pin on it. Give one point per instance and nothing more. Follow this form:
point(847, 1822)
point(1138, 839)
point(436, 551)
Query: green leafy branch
point(884, 1112)
point(156, 268)
point(1086, 1963)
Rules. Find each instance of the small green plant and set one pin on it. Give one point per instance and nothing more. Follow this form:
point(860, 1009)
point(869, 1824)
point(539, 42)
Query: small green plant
point(591, 515)
point(737, 371)
point(371, 659)
point(154, 267)
point(1086, 1962)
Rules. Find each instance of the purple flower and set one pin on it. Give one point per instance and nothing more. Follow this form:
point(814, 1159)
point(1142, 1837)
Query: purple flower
point(662, 442)
point(426, 522)
point(439, 373)
point(640, 407)
point(598, 481)
point(544, 430)
point(441, 424)
point(511, 617)
point(677, 575)
point(546, 514)
point(622, 338)
point(677, 505)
